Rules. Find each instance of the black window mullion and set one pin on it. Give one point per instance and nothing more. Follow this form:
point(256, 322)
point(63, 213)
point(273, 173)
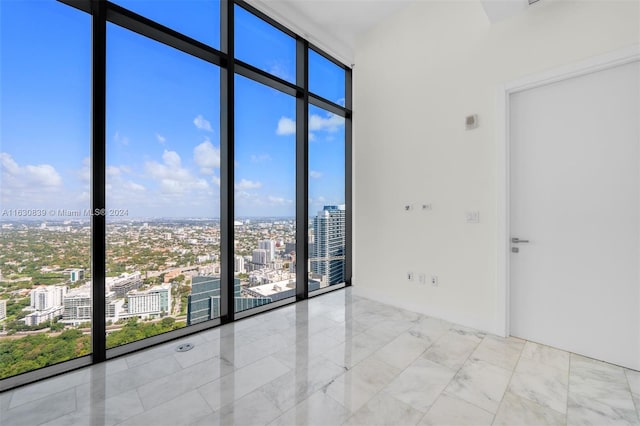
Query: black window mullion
point(302, 170)
point(227, 173)
point(263, 77)
point(155, 31)
point(348, 159)
point(327, 105)
point(98, 178)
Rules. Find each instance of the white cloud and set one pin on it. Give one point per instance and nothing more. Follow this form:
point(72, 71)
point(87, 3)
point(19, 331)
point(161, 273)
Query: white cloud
point(286, 126)
point(202, 123)
point(132, 186)
point(172, 186)
point(113, 171)
point(279, 69)
point(41, 176)
point(85, 172)
point(120, 191)
point(315, 174)
point(245, 184)
point(330, 123)
point(171, 159)
point(320, 200)
point(260, 158)
point(207, 157)
point(215, 180)
point(279, 201)
point(173, 178)
point(161, 139)
point(32, 185)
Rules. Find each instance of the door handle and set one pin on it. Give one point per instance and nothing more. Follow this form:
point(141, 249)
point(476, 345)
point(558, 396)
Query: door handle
point(516, 240)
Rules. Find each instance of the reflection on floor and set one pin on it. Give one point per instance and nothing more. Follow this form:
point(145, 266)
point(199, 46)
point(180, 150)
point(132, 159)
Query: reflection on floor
point(336, 359)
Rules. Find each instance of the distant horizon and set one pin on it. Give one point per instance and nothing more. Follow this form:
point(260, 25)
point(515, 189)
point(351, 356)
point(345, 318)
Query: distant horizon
point(139, 219)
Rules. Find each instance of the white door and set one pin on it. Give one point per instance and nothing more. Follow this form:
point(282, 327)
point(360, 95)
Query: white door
point(574, 194)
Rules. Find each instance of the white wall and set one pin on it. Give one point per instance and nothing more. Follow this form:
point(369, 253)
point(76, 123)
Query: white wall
point(417, 75)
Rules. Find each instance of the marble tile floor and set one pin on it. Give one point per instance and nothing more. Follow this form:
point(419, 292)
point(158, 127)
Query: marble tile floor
point(335, 359)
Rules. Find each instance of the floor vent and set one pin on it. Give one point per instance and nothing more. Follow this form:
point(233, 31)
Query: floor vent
point(184, 347)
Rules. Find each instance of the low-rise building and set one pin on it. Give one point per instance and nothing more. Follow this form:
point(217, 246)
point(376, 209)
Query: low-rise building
point(150, 303)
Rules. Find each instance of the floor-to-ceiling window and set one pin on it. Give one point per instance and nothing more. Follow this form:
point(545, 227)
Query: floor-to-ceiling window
point(265, 167)
point(265, 193)
point(163, 193)
point(45, 235)
point(327, 209)
point(327, 196)
point(200, 115)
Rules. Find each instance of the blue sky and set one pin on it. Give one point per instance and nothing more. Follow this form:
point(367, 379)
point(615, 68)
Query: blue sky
point(163, 116)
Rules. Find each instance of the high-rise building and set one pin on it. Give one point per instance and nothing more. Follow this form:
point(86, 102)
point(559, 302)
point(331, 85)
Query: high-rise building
point(3, 309)
point(239, 264)
point(259, 257)
point(270, 247)
point(328, 258)
point(150, 303)
point(289, 248)
point(204, 301)
point(77, 305)
point(47, 297)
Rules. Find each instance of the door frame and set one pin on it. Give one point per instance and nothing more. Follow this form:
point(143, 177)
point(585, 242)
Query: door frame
point(503, 179)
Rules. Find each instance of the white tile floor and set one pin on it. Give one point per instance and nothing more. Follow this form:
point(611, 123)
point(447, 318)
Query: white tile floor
point(336, 359)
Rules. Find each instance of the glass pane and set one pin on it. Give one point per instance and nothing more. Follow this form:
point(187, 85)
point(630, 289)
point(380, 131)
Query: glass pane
point(265, 194)
point(326, 79)
point(263, 46)
point(45, 233)
point(163, 194)
point(198, 19)
point(326, 199)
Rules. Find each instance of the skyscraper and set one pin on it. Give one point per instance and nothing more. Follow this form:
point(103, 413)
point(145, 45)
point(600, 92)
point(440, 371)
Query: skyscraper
point(47, 297)
point(270, 247)
point(329, 244)
point(239, 264)
point(260, 257)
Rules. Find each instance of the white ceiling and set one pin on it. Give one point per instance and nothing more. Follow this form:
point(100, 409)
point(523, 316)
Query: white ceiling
point(332, 25)
point(335, 25)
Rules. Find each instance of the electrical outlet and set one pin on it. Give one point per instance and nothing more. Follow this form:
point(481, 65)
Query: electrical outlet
point(409, 276)
point(434, 280)
point(427, 207)
point(422, 278)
